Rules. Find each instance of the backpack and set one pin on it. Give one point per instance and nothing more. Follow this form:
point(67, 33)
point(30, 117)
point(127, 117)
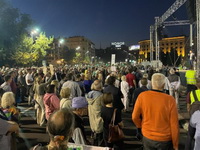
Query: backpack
point(195, 105)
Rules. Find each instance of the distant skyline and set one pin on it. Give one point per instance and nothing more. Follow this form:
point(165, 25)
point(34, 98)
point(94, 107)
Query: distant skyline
point(101, 21)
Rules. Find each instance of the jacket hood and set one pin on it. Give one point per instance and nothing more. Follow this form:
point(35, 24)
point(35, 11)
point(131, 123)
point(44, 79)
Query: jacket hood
point(92, 95)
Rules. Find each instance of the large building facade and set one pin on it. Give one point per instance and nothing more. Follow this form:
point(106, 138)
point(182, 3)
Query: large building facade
point(81, 44)
point(177, 44)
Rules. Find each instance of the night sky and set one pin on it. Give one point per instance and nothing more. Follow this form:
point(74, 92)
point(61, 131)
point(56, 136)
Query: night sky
point(101, 21)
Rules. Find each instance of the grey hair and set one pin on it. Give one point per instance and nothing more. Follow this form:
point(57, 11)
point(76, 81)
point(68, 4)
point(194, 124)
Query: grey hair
point(7, 100)
point(158, 80)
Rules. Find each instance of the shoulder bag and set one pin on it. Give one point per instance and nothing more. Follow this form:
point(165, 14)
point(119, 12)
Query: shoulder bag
point(115, 132)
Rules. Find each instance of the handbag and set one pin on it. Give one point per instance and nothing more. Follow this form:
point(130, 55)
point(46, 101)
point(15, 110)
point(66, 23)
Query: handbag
point(115, 132)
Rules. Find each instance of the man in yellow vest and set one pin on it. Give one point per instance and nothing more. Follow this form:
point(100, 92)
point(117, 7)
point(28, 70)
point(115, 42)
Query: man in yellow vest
point(191, 79)
point(192, 96)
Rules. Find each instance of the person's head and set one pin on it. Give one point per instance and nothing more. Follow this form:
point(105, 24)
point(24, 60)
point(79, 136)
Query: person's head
point(190, 52)
point(111, 80)
point(100, 76)
point(107, 98)
point(55, 82)
point(65, 92)
point(20, 72)
point(39, 80)
point(144, 81)
point(145, 75)
point(63, 76)
point(12, 73)
point(158, 81)
point(191, 67)
point(172, 71)
point(80, 104)
point(78, 77)
point(123, 78)
point(29, 70)
point(69, 76)
point(87, 76)
point(7, 100)
point(129, 70)
point(8, 78)
point(51, 88)
point(135, 68)
point(97, 85)
point(60, 127)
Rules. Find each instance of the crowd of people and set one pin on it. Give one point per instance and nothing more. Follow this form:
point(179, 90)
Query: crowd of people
point(63, 95)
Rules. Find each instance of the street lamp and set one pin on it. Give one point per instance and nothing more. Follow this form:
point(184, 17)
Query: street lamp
point(61, 41)
point(78, 48)
point(34, 31)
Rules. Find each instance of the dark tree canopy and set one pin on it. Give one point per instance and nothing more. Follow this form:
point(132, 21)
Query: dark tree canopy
point(13, 25)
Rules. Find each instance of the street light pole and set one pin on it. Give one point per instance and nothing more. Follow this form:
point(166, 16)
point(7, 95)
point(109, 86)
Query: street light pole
point(61, 41)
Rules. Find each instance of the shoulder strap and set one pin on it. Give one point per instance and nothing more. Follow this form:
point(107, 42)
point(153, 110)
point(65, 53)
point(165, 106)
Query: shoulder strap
point(113, 117)
point(195, 95)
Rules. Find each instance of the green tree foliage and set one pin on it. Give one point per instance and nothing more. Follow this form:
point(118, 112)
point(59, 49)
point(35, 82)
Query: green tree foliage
point(42, 43)
point(30, 51)
point(13, 25)
point(23, 54)
point(77, 59)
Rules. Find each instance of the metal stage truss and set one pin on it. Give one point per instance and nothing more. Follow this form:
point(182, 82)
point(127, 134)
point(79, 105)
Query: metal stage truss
point(160, 21)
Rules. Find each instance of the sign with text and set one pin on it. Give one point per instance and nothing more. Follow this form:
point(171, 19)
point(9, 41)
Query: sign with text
point(118, 44)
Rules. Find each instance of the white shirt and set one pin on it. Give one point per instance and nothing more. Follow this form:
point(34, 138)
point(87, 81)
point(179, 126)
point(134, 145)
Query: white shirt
point(124, 87)
point(30, 78)
point(191, 55)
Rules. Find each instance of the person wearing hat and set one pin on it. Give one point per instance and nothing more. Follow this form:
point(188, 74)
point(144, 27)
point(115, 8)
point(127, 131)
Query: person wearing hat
point(79, 106)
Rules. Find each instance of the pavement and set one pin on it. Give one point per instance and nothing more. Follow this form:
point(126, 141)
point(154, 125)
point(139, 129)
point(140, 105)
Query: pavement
point(31, 134)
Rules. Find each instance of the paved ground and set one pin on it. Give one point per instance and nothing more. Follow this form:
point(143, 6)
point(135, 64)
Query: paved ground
point(33, 134)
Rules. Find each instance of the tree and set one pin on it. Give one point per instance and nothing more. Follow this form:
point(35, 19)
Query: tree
point(40, 46)
point(23, 54)
point(77, 59)
point(13, 26)
point(30, 51)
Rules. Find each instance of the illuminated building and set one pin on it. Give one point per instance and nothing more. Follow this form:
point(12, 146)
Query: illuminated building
point(166, 45)
point(81, 44)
